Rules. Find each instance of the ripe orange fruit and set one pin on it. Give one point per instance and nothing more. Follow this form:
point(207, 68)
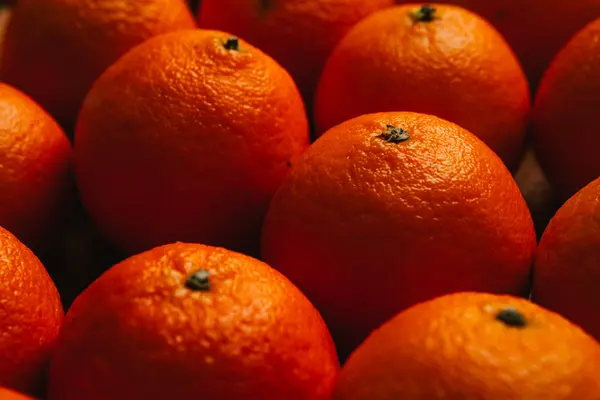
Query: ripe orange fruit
point(565, 113)
point(35, 167)
point(299, 34)
point(535, 29)
point(30, 316)
point(55, 49)
point(188, 321)
point(440, 60)
point(566, 271)
point(7, 394)
point(390, 209)
point(186, 138)
point(474, 346)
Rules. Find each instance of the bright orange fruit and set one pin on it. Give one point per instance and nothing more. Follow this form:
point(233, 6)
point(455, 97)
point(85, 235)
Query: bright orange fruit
point(186, 138)
point(55, 49)
point(435, 59)
point(30, 316)
point(566, 271)
point(35, 169)
point(7, 394)
point(187, 321)
point(390, 209)
point(474, 346)
point(565, 114)
point(299, 34)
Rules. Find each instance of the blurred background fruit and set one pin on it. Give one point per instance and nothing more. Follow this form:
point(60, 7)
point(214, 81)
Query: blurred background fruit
point(187, 320)
point(566, 272)
point(473, 346)
point(162, 156)
point(55, 49)
point(535, 29)
point(390, 209)
point(7, 394)
point(30, 317)
point(442, 60)
point(565, 112)
point(299, 34)
point(35, 170)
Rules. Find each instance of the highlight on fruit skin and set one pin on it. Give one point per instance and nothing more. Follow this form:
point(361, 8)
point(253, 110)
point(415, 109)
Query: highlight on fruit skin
point(473, 345)
point(183, 316)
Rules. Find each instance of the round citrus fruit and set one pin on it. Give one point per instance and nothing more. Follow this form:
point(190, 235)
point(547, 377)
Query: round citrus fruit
point(55, 49)
point(474, 346)
point(30, 316)
point(188, 321)
point(439, 60)
point(35, 169)
point(7, 394)
point(390, 209)
point(299, 34)
point(566, 269)
point(186, 138)
point(535, 29)
point(565, 113)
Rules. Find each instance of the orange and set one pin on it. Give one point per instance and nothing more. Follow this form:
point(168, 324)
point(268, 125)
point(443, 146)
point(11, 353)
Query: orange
point(474, 346)
point(434, 59)
point(565, 114)
point(30, 316)
point(7, 394)
point(300, 34)
point(566, 271)
point(35, 167)
point(55, 49)
point(188, 321)
point(535, 29)
point(390, 209)
point(186, 138)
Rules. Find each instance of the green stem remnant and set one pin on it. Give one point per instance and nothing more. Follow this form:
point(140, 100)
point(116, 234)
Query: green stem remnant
point(511, 317)
point(424, 14)
point(232, 43)
point(394, 135)
point(198, 281)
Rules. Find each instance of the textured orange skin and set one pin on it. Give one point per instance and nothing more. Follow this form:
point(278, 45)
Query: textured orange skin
point(454, 348)
point(184, 140)
point(55, 49)
point(456, 67)
point(7, 394)
point(138, 333)
point(30, 316)
point(566, 269)
point(35, 169)
point(535, 29)
point(299, 34)
point(367, 228)
point(564, 113)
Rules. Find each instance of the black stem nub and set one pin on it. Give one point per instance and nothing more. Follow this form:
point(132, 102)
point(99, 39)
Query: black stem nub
point(393, 134)
point(511, 317)
point(232, 43)
point(198, 281)
point(425, 14)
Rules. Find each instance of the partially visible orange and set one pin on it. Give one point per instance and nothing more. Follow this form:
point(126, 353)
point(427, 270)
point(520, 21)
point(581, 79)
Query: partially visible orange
point(30, 317)
point(55, 49)
point(187, 321)
point(7, 394)
point(187, 137)
point(389, 209)
point(474, 346)
point(35, 170)
point(299, 34)
point(565, 114)
point(567, 269)
point(434, 59)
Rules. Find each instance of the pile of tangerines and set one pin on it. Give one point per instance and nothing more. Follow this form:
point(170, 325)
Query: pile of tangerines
point(299, 199)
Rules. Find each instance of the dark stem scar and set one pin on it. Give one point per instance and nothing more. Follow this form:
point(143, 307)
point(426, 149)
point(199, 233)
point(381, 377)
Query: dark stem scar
point(232, 43)
point(426, 13)
point(394, 134)
point(198, 281)
point(511, 317)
